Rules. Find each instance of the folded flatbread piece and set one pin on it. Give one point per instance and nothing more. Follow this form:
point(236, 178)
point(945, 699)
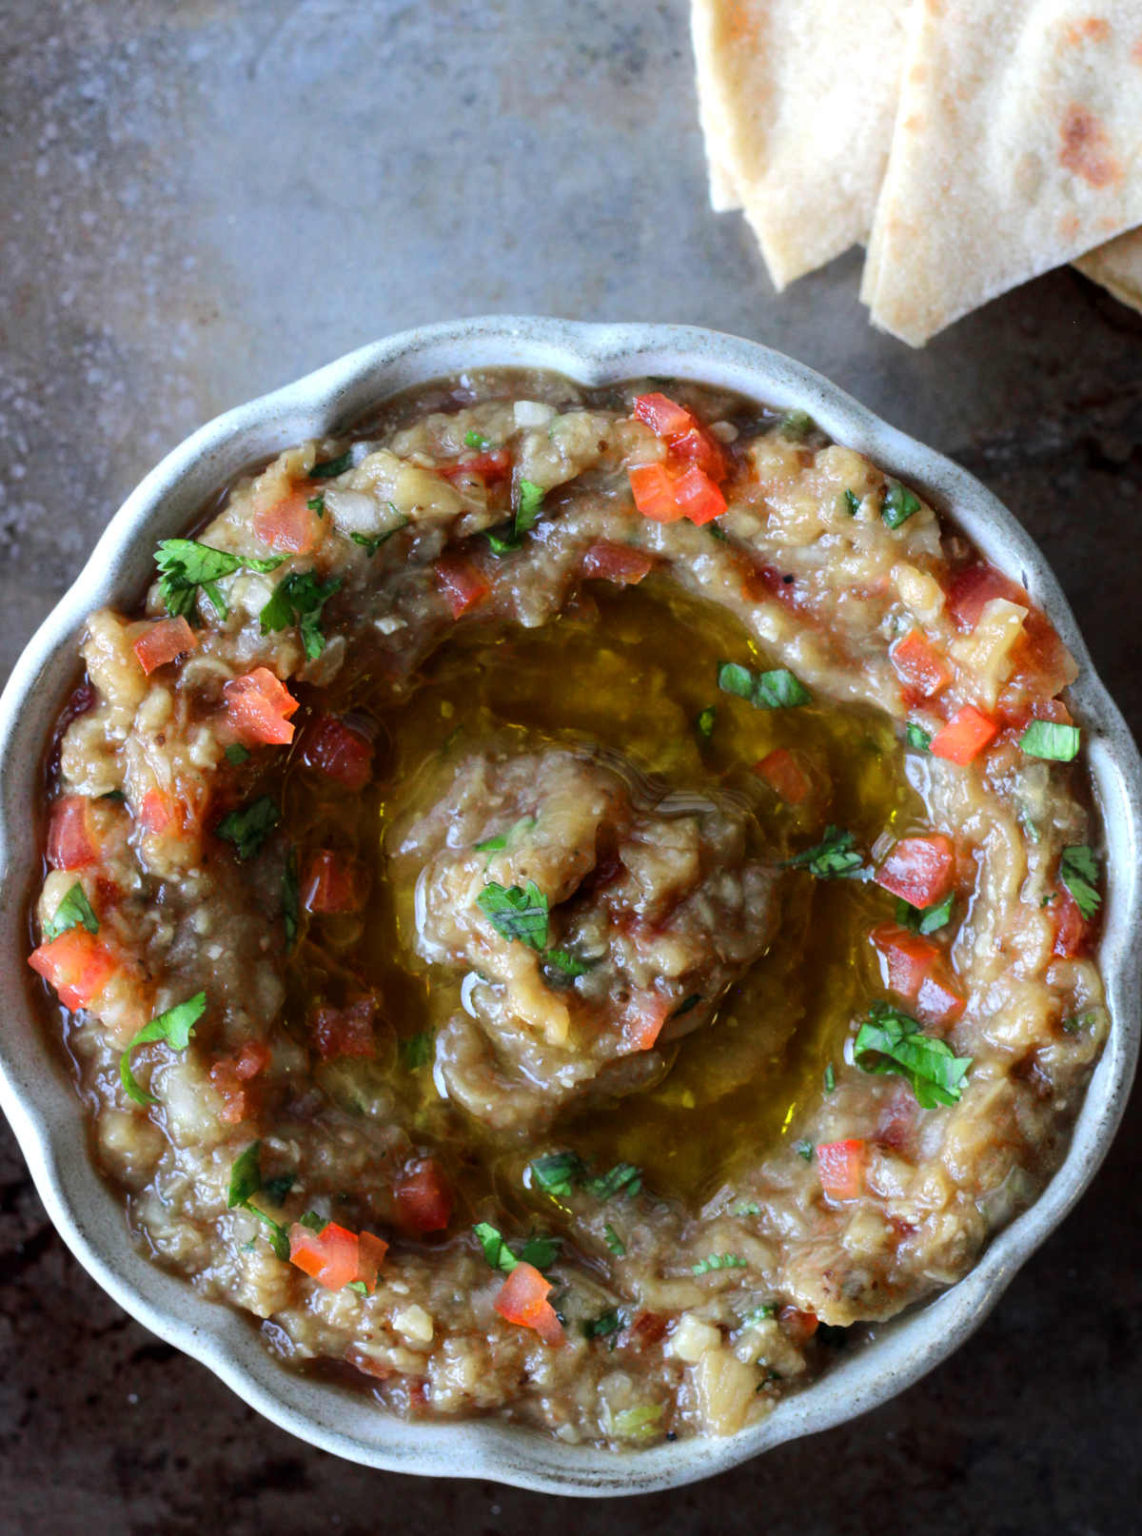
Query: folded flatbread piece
point(1118, 267)
point(1017, 147)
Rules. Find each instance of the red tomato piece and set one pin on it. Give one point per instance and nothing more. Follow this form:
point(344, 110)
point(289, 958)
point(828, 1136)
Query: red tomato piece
point(423, 1197)
point(332, 884)
point(665, 417)
point(919, 664)
point(163, 642)
point(371, 1252)
point(699, 498)
point(156, 811)
point(77, 965)
point(331, 1256)
point(698, 447)
point(919, 870)
point(232, 1077)
point(841, 1165)
point(784, 775)
point(965, 735)
point(619, 563)
point(1069, 924)
point(346, 1031)
point(335, 749)
point(523, 1300)
point(259, 707)
point(72, 843)
point(652, 486)
point(799, 1326)
point(493, 465)
point(643, 1018)
point(974, 587)
point(290, 525)
point(917, 969)
point(461, 584)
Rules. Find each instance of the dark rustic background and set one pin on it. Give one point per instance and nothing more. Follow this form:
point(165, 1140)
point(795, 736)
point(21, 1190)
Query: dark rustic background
point(205, 199)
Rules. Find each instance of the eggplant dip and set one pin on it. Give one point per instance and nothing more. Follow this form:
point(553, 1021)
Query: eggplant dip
point(562, 903)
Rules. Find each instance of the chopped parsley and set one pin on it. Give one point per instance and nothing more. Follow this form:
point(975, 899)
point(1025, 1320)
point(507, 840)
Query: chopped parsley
point(313, 1221)
point(925, 919)
point(249, 827)
point(622, 1179)
point(477, 440)
point(778, 689)
point(704, 724)
point(237, 754)
point(416, 1051)
point(527, 512)
point(614, 1242)
point(370, 543)
point(515, 913)
point(830, 1078)
point(717, 533)
point(332, 467)
point(175, 1027)
point(504, 840)
point(918, 737)
point(1079, 872)
point(1077, 1023)
point(291, 900)
point(317, 503)
point(852, 503)
point(246, 1181)
point(714, 1261)
point(566, 965)
point(185, 565)
point(299, 599)
point(557, 1173)
point(1046, 738)
point(804, 1149)
point(893, 1042)
point(899, 504)
point(831, 858)
point(277, 1188)
point(74, 911)
point(606, 1323)
point(758, 1315)
point(796, 425)
point(746, 1208)
point(246, 1175)
point(539, 1251)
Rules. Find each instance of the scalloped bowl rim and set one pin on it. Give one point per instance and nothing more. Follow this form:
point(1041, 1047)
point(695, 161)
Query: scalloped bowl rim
point(39, 1100)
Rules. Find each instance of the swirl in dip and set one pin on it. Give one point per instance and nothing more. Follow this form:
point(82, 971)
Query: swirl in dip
point(566, 901)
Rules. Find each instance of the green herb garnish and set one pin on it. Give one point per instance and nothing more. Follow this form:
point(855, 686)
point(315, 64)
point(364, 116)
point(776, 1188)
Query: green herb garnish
point(623, 1178)
point(804, 1149)
point(831, 858)
point(746, 1208)
point(918, 737)
point(717, 533)
point(416, 1051)
point(237, 754)
point(246, 1181)
point(714, 1261)
point(245, 1175)
point(516, 914)
point(542, 1252)
point(852, 503)
point(614, 1242)
point(249, 827)
point(565, 964)
point(899, 504)
point(332, 467)
point(313, 1221)
point(299, 599)
point(758, 1315)
point(606, 1323)
point(1046, 738)
point(317, 503)
point(277, 1188)
point(74, 911)
point(370, 543)
point(778, 689)
point(1079, 872)
point(796, 425)
point(539, 1251)
point(185, 565)
point(526, 516)
point(830, 1078)
point(893, 1042)
point(175, 1027)
point(925, 919)
point(477, 440)
point(704, 724)
point(557, 1173)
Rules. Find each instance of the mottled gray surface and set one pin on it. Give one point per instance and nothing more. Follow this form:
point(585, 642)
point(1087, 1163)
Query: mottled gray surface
point(202, 200)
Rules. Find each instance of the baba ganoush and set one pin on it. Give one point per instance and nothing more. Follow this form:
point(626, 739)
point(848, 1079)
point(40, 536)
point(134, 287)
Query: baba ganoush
point(569, 903)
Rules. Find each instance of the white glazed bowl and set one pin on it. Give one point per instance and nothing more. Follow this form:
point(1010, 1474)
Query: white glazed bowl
point(47, 1117)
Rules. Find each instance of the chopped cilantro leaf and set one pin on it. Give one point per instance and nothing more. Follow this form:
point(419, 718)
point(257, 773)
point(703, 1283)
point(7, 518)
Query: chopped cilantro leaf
point(796, 425)
point(503, 840)
point(831, 858)
point(1046, 738)
point(1079, 872)
point(758, 1315)
point(527, 512)
point(372, 542)
point(249, 827)
point(299, 599)
point(416, 1051)
point(277, 1236)
point(714, 1261)
point(565, 964)
point(746, 1208)
point(614, 1242)
point(918, 737)
point(237, 754)
point(332, 467)
point(893, 1042)
point(804, 1149)
point(925, 919)
point(477, 440)
point(557, 1173)
point(606, 1323)
point(899, 504)
point(852, 503)
point(73, 911)
point(496, 1250)
point(516, 914)
point(704, 724)
point(246, 1175)
point(717, 533)
point(313, 1221)
point(778, 689)
point(622, 1178)
point(357, 1285)
point(830, 1078)
point(317, 503)
point(542, 1252)
point(185, 565)
point(175, 1026)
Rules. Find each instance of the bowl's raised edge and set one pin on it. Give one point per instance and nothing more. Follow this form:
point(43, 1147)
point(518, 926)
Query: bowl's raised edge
point(40, 1105)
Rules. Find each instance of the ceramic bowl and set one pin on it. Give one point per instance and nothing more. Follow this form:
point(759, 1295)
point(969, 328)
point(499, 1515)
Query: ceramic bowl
point(47, 1118)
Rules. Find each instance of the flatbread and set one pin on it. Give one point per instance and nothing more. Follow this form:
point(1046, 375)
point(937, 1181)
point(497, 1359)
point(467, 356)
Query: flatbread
point(797, 99)
point(1017, 147)
point(1118, 267)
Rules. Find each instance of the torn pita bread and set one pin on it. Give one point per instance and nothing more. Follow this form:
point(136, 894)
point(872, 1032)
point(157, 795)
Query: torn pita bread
point(1118, 267)
point(1017, 147)
point(797, 103)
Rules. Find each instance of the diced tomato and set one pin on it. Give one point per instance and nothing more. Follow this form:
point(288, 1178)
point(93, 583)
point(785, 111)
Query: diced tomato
point(785, 776)
point(493, 465)
point(919, 664)
point(652, 486)
point(162, 642)
point(965, 735)
point(259, 707)
point(896, 1120)
point(643, 1018)
point(762, 581)
point(462, 586)
point(665, 417)
point(1069, 924)
point(841, 1165)
point(917, 969)
point(72, 842)
point(346, 1031)
point(919, 870)
point(334, 748)
point(619, 563)
point(700, 499)
point(331, 1256)
point(290, 525)
point(77, 965)
point(370, 1257)
point(799, 1326)
point(332, 883)
point(423, 1197)
point(523, 1300)
point(697, 447)
point(156, 811)
point(974, 587)
point(232, 1077)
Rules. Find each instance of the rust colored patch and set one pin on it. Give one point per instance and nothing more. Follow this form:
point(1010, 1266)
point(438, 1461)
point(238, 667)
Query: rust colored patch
point(1136, 52)
point(1093, 30)
point(1086, 148)
point(1069, 227)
